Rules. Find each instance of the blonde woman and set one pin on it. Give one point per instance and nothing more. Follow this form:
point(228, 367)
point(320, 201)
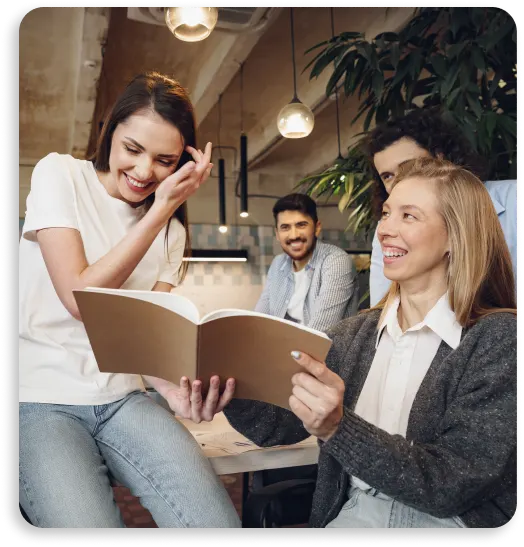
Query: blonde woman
point(415, 408)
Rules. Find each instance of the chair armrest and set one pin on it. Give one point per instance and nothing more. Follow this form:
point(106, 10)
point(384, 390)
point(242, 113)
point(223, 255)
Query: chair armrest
point(255, 511)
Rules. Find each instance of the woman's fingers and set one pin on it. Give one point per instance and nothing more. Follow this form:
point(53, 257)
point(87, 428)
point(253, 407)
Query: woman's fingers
point(196, 401)
point(213, 395)
point(226, 397)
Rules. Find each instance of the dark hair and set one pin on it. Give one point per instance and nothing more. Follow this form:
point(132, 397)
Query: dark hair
point(166, 97)
point(431, 131)
point(296, 202)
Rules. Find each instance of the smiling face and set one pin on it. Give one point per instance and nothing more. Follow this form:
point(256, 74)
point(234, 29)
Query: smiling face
point(413, 234)
point(145, 149)
point(297, 234)
point(388, 160)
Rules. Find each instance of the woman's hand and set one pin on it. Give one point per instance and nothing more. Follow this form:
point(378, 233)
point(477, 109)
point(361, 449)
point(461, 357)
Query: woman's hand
point(318, 397)
point(182, 184)
point(187, 401)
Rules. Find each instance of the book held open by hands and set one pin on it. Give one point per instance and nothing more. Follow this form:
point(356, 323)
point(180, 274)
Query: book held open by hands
point(161, 334)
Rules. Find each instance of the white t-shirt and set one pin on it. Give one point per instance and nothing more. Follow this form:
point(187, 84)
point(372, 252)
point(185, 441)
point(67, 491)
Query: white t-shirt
point(296, 302)
point(56, 364)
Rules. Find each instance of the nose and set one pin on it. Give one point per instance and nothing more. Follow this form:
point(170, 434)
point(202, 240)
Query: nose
point(144, 168)
point(387, 227)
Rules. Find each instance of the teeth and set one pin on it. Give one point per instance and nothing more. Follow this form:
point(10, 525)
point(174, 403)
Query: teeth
point(390, 254)
point(135, 183)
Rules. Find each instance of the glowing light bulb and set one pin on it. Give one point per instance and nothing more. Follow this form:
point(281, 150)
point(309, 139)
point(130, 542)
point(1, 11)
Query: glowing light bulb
point(295, 120)
point(191, 24)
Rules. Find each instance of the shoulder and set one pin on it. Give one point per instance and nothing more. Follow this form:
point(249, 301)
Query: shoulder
point(331, 254)
point(58, 166)
point(278, 262)
point(500, 325)
point(504, 191)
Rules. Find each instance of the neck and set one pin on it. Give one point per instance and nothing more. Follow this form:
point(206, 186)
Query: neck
point(417, 297)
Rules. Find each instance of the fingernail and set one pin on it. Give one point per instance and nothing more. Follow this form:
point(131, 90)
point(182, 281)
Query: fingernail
point(296, 354)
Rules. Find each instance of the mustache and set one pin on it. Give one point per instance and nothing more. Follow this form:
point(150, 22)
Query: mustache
point(298, 240)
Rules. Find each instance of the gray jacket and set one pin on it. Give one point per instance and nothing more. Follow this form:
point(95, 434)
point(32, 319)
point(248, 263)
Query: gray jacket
point(459, 454)
point(332, 293)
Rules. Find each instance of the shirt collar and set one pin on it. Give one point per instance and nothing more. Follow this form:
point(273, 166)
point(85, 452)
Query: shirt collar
point(499, 208)
point(440, 319)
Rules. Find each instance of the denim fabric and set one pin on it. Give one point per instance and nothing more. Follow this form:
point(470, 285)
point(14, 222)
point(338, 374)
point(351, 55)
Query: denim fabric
point(372, 509)
point(69, 454)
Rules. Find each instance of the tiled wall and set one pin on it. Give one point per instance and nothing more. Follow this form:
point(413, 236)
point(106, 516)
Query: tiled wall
point(217, 285)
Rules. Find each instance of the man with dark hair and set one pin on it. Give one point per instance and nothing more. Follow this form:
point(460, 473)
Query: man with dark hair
point(312, 283)
point(425, 132)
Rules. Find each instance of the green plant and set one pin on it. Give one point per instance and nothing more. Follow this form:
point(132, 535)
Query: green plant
point(460, 59)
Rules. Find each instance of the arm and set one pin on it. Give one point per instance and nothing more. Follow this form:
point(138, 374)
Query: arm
point(338, 285)
point(467, 461)
point(65, 259)
point(265, 424)
point(378, 283)
point(64, 254)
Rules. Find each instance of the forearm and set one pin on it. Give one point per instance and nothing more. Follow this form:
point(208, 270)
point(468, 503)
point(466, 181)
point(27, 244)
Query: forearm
point(114, 268)
point(265, 424)
point(162, 387)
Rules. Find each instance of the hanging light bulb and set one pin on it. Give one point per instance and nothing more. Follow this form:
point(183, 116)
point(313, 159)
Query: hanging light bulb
point(295, 120)
point(222, 228)
point(191, 24)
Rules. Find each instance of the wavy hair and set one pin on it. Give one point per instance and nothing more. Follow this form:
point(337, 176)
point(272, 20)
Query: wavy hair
point(165, 96)
point(480, 273)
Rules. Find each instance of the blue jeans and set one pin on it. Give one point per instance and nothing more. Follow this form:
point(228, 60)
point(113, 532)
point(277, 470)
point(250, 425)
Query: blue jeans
point(68, 454)
point(372, 509)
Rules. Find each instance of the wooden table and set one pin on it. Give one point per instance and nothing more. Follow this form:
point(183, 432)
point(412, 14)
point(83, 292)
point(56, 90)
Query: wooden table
point(224, 463)
point(303, 453)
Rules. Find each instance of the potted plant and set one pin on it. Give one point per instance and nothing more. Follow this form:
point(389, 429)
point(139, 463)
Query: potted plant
point(462, 60)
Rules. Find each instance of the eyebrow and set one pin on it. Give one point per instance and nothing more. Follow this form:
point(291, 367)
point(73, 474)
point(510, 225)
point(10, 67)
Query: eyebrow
point(138, 145)
point(404, 207)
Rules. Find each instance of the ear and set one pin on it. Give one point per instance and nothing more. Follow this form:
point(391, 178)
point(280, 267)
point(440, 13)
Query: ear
point(318, 228)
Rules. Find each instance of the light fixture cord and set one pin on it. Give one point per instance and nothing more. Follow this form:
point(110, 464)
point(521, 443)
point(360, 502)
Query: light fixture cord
point(219, 122)
point(336, 89)
point(241, 97)
point(293, 56)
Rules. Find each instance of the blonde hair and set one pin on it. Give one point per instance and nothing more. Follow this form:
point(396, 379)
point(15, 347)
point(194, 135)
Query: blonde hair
point(480, 274)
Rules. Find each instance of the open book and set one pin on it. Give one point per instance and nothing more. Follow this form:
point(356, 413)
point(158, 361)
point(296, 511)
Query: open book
point(161, 334)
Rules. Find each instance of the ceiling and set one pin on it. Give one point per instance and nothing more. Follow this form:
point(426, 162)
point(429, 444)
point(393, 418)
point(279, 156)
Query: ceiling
point(75, 61)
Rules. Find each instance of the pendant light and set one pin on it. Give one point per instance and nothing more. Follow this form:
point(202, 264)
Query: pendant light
point(295, 120)
point(243, 151)
point(222, 228)
point(191, 24)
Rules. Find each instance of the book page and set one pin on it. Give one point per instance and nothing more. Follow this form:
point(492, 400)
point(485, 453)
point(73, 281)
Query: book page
point(169, 301)
point(219, 314)
point(131, 335)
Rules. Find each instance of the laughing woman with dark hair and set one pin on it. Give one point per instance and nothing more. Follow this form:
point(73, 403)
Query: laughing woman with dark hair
point(119, 221)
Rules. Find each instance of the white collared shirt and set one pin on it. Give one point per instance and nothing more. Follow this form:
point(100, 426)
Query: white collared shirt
point(401, 363)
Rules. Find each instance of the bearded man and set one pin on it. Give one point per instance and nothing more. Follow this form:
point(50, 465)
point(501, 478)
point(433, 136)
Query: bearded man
point(311, 282)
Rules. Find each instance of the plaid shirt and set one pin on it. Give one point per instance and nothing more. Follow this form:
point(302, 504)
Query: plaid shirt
point(332, 293)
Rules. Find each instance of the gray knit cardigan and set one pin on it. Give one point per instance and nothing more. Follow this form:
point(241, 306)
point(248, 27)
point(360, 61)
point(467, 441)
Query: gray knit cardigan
point(459, 454)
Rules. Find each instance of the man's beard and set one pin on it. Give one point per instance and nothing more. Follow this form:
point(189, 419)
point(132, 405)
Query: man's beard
point(307, 252)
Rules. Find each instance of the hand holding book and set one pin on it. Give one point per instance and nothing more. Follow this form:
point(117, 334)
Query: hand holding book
point(188, 400)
